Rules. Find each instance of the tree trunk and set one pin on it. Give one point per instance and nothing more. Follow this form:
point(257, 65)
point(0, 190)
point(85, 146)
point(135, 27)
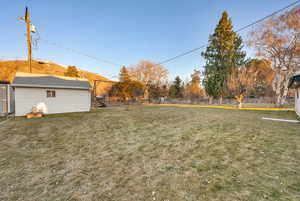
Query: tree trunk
point(210, 100)
point(146, 94)
point(240, 99)
point(240, 105)
point(285, 89)
point(278, 82)
point(278, 100)
point(281, 87)
point(221, 100)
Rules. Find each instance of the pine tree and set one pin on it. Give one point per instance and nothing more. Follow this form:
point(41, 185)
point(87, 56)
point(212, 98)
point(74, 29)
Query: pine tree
point(176, 88)
point(127, 90)
point(194, 88)
point(126, 86)
point(223, 54)
point(124, 74)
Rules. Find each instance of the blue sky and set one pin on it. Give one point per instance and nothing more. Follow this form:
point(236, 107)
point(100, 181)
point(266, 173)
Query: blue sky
point(124, 31)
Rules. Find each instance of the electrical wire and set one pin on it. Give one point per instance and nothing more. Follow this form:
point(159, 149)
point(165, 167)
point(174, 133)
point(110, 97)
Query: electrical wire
point(174, 57)
point(239, 30)
point(81, 53)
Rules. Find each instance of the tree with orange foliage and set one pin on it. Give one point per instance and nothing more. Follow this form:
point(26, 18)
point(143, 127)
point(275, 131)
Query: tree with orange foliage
point(239, 83)
point(195, 90)
point(149, 74)
point(278, 40)
point(72, 71)
point(244, 80)
point(263, 76)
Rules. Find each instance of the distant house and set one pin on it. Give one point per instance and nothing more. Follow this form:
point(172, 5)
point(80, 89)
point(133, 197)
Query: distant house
point(295, 83)
point(57, 94)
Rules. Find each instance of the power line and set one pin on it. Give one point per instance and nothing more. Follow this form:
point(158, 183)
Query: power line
point(81, 53)
point(182, 54)
point(27, 2)
point(239, 30)
point(268, 16)
point(172, 58)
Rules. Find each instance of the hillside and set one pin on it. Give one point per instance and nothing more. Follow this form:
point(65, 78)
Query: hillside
point(8, 69)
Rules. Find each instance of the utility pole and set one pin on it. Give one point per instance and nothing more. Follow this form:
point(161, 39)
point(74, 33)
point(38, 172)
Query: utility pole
point(28, 28)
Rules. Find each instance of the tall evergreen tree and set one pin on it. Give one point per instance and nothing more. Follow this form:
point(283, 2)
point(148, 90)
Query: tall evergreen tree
point(176, 88)
point(194, 87)
point(126, 88)
point(223, 54)
point(124, 75)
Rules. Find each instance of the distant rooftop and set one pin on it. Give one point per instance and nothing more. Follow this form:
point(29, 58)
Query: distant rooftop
point(49, 81)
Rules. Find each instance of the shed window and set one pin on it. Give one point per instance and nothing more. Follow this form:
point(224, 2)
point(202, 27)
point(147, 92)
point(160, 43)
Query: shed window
point(51, 94)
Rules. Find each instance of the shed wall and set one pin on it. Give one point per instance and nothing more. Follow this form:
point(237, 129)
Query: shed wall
point(65, 100)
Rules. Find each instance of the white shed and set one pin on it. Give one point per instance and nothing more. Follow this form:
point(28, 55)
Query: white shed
point(295, 83)
point(58, 94)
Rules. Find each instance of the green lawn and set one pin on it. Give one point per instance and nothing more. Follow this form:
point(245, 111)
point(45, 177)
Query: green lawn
point(142, 153)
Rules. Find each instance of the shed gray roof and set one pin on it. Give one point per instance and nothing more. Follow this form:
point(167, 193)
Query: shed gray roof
point(49, 81)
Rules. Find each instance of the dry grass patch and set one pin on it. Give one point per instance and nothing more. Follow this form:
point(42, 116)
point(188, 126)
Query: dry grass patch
point(151, 153)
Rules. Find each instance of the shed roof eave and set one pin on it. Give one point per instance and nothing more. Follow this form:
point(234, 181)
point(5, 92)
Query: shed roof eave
point(49, 86)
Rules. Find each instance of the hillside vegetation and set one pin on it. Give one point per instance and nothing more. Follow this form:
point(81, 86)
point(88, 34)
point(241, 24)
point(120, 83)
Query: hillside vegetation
point(9, 68)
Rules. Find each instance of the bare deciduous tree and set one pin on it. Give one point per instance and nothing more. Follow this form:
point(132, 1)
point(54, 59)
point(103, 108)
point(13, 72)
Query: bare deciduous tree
point(244, 80)
point(149, 73)
point(278, 40)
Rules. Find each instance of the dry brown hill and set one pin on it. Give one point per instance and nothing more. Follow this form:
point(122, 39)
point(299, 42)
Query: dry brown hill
point(8, 69)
